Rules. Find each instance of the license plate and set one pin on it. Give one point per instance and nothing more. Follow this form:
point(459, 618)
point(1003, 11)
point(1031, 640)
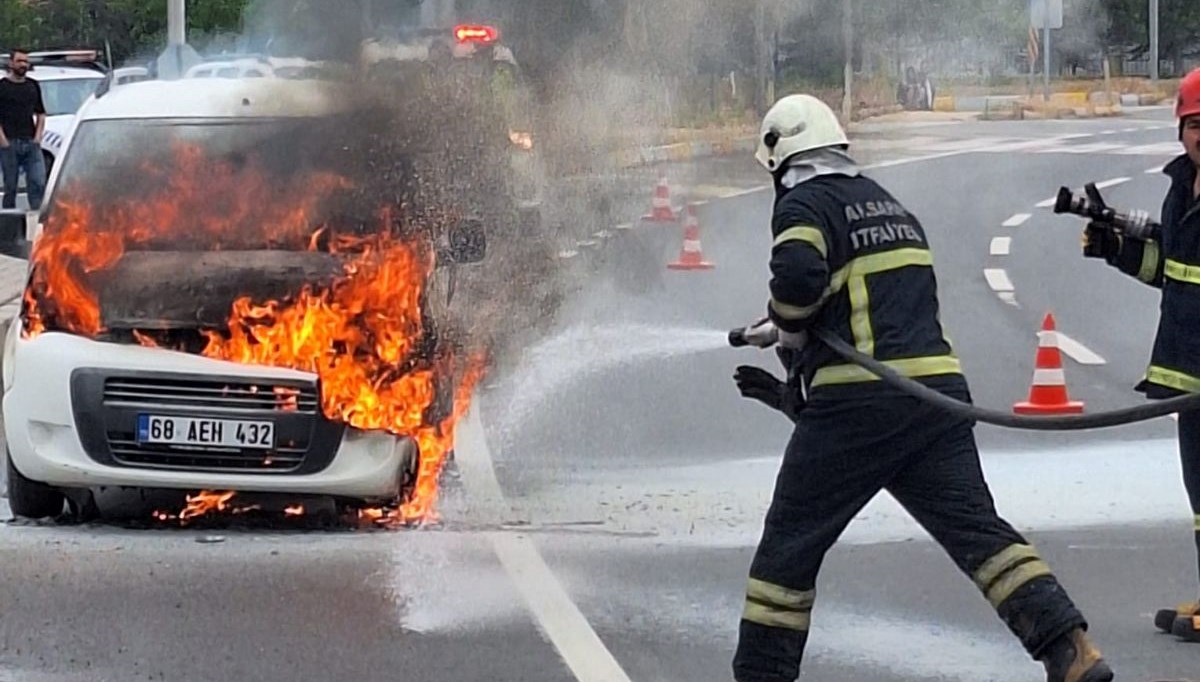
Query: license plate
point(202, 432)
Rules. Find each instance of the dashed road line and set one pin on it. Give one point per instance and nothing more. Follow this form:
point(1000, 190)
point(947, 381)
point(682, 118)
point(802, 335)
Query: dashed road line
point(1112, 183)
point(1000, 246)
point(1009, 298)
point(1079, 352)
point(1017, 220)
point(998, 279)
point(1047, 203)
point(1155, 171)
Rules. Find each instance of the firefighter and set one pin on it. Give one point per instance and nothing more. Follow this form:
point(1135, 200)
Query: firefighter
point(1174, 267)
point(849, 258)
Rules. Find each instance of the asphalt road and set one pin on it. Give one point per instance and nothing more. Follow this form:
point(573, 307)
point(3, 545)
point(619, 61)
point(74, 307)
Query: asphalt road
point(613, 486)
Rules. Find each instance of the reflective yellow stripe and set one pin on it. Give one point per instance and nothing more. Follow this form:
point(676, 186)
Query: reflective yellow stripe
point(1014, 579)
point(933, 365)
point(854, 277)
point(1173, 379)
point(776, 606)
point(776, 618)
point(796, 312)
point(1003, 561)
point(770, 593)
point(1198, 523)
point(860, 315)
point(1182, 272)
point(890, 260)
point(810, 235)
point(1003, 574)
point(1150, 256)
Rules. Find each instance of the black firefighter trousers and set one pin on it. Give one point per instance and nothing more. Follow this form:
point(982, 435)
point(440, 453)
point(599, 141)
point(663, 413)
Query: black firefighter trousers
point(1189, 454)
point(840, 456)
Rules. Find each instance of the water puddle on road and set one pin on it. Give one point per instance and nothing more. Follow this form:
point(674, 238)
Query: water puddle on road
point(584, 353)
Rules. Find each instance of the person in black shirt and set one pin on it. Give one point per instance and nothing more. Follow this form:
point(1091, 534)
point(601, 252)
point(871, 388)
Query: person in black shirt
point(22, 122)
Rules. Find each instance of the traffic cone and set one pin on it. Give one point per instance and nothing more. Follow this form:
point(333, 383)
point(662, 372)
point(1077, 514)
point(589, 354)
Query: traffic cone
point(660, 205)
point(691, 256)
point(1048, 393)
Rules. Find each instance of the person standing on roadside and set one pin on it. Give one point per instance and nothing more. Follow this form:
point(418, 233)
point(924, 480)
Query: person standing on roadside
point(22, 123)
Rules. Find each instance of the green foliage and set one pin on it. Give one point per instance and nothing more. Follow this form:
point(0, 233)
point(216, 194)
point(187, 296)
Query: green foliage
point(132, 27)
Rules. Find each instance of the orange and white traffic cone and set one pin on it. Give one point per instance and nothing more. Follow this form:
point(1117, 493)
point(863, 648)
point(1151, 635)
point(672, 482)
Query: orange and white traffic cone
point(1048, 393)
point(691, 256)
point(660, 206)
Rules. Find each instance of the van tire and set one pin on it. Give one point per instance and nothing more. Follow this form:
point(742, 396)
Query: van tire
point(30, 499)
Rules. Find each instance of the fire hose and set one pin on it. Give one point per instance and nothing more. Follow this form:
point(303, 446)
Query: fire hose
point(1135, 225)
point(1099, 420)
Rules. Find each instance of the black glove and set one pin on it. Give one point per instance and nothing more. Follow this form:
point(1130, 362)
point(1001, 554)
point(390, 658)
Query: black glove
point(1100, 241)
point(761, 385)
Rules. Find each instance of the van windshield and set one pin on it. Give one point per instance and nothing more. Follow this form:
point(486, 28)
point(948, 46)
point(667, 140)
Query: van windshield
point(221, 183)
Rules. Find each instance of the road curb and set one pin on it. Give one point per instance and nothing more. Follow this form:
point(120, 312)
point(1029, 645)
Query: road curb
point(1061, 105)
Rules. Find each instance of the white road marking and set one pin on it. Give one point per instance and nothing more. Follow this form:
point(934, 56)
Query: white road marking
point(1156, 149)
point(1079, 352)
point(914, 159)
point(559, 619)
point(1109, 132)
point(1000, 246)
point(1093, 148)
point(998, 279)
point(1017, 220)
point(881, 164)
point(1155, 171)
point(1047, 203)
point(1112, 183)
point(1131, 130)
point(1009, 298)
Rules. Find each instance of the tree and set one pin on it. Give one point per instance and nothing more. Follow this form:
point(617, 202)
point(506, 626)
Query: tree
point(1179, 28)
point(131, 27)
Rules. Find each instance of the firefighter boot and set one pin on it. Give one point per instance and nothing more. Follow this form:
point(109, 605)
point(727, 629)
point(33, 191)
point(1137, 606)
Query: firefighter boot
point(1187, 628)
point(1073, 658)
point(1165, 619)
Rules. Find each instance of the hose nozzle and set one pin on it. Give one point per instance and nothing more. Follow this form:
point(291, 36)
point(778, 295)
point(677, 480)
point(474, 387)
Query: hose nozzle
point(1090, 205)
point(762, 334)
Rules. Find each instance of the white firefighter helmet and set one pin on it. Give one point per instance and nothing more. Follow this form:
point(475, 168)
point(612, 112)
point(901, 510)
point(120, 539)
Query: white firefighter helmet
point(795, 124)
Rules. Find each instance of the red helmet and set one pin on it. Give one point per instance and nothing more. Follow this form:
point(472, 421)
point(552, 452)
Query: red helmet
point(1189, 96)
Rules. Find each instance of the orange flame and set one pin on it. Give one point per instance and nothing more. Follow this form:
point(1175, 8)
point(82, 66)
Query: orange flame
point(204, 503)
point(362, 335)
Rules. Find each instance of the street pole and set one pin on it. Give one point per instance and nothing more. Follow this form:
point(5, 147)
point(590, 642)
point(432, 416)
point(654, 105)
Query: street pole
point(1154, 41)
point(848, 39)
point(1046, 57)
point(176, 22)
point(760, 66)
